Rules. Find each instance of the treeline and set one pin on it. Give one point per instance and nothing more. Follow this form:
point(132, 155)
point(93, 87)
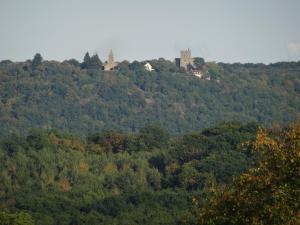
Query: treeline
point(147, 177)
point(79, 98)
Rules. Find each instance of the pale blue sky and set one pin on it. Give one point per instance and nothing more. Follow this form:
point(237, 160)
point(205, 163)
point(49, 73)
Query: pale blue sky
point(220, 30)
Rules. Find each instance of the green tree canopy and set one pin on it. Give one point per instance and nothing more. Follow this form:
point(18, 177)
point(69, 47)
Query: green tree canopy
point(154, 136)
point(19, 218)
point(73, 62)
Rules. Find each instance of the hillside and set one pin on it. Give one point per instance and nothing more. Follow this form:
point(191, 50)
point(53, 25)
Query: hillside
point(64, 96)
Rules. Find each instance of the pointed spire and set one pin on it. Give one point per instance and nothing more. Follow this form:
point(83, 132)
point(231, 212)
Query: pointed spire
point(111, 57)
point(110, 64)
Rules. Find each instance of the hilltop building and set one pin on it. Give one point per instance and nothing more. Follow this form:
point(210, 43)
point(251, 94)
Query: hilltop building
point(110, 64)
point(148, 67)
point(186, 60)
point(192, 65)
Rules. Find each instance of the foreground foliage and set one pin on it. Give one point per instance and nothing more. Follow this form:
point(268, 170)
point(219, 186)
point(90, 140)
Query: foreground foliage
point(266, 194)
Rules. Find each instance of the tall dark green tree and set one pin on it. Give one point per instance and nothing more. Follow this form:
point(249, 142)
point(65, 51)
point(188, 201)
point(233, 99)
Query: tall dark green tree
point(86, 61)
point(37, 61)
point(95, 62)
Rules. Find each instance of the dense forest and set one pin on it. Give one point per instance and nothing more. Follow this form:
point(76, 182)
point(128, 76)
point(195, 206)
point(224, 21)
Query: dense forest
point(83, 146)
point(82, 99)
point(232, 173)
point(146, 177)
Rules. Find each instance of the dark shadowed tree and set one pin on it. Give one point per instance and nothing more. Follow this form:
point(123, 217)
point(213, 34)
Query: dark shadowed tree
point(199, 62)
point(86, 61)
point(95, 62)
point(37, 61)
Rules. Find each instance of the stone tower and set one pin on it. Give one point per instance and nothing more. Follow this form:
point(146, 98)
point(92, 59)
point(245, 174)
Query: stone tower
point(110, 64)
point(186, 60)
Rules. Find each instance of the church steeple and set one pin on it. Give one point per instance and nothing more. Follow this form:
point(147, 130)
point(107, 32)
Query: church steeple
point(111, 57)
point(110, 64)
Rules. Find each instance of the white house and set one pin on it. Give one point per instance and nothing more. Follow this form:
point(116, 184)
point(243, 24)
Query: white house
point(197, 73)
point(148, 67)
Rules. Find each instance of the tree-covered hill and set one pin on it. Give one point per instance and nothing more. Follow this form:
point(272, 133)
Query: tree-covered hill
point(83, 99)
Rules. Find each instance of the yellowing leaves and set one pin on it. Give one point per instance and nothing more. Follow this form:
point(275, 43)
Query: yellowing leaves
point(64, 185)
point(70, 143)
point(83, 166)
point(266, 194)
point(110, 168)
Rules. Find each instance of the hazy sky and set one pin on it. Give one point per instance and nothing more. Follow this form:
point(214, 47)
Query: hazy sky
point(219, 30)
